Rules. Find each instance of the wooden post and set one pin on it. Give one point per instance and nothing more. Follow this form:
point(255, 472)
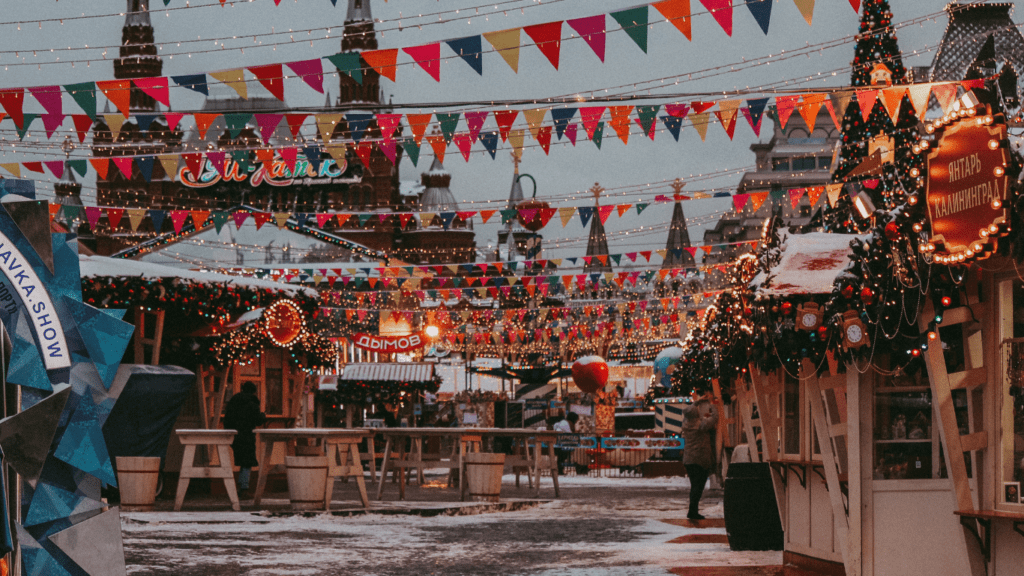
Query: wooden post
point(142, 340)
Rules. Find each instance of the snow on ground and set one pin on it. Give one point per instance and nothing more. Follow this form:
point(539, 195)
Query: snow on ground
point(600, 526)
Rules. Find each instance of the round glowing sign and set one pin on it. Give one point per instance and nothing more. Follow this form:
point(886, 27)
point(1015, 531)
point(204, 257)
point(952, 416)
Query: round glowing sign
point(282, 322)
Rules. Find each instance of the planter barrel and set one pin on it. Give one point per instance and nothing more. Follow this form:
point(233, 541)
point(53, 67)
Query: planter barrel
point(483, 475)
point(307, 481)
point(137, 480)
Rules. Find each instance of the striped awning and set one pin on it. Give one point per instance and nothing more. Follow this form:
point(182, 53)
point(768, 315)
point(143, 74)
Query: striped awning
point(395, 372)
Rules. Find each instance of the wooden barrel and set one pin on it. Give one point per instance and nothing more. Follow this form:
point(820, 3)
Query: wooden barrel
point(307, 481)
point(483, 475)
point(137, 479)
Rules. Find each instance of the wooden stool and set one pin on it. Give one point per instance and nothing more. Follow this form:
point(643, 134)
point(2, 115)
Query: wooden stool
point(343, 460)
point(221, 439)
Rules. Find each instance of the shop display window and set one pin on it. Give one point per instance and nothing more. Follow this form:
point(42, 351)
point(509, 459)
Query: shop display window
point(1011, 403)
point(907, 445)
point(791, 423)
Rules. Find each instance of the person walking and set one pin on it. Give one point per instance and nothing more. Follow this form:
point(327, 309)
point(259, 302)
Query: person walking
point(243, 415)
point(698, 452)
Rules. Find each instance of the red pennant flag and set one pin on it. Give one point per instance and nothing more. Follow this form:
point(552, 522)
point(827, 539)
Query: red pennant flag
point(590, 116)
point(678, 13)
point(100, 165)
point(323, 218)
point(592, 30)
point(721, 10)
point(156, 87)
point(311, 72)
point(548, 37)
point(677, 110)
point(505, 119)
point(124, 165)
point(33, 166)
point(82, 125)
point(289, 155)
point(404, 218)
point(295, 122)
point(604, 212)
point(363, 150)
point(114, 216)
point(194, 163)
point(217, 159)
point(118, 92)
point(465, 143)
point(261, 218)
point(178, 218)
point(866, 102)
point(428, 57)
point(544, 138)
point(785, 105)
point(699, 107)
point(173, 118)
point(271, 78)
point(239, 217)
point(388, 123)
point(13, 100)
point(383, 61)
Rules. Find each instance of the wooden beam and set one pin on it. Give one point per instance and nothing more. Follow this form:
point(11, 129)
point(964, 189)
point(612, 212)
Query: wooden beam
point(942, 398)
point(968, 379)
point(954, 316)
point(975, 441)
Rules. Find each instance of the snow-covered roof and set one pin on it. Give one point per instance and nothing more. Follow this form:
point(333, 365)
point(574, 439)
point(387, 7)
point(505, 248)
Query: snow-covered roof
point(101, 266)
point(810, 263)
point(410, 188)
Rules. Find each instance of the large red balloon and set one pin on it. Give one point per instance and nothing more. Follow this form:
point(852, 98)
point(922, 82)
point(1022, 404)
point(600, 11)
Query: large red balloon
point(590, 373)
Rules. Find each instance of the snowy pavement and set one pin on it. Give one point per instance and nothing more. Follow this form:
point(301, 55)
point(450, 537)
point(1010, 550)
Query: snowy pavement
point(600, 526)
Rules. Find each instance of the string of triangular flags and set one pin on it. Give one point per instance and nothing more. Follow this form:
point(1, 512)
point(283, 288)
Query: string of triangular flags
point(181, 218)
point(547, 38)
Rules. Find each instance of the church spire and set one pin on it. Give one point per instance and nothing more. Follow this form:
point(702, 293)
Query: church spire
point(359, 36)
point(676, 255)
point(137, 57)
point(358, 11)
point(597, 243)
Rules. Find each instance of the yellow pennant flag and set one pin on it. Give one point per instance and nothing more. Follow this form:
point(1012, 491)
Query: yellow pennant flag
point(135, 217)
point(534, 118)
point(810, 108)
point(281, 219)
point(556, 262)
point(833, 191)
point(919, 94)
point(336, 151)
point(728, 109)
point(426, 218)
point(13, 168)
point(506, 42)
point(700, 123)
point(169, 162)
point(235, 79)
point(566, 215)
point(891, 98)
point(114, 122)
point(515, 138)
point(326, 123)
point(806, 8)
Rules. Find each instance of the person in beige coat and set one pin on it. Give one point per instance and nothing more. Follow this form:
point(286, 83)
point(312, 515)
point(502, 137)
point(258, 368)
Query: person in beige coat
point(698, 452)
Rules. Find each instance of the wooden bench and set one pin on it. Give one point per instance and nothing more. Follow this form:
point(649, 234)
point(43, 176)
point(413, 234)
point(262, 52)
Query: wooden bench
point(984, 518)
point(220, 443)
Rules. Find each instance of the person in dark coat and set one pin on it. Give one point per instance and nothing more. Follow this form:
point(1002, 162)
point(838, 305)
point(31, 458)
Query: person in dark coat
point(243, 414)
point(698, 452)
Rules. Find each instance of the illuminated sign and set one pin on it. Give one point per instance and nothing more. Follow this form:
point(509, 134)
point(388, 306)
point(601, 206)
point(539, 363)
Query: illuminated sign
point(276, 174)
point(282, 323)
point(388, 344)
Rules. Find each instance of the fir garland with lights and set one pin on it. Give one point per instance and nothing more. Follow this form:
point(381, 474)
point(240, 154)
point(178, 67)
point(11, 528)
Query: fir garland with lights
point(380, 391)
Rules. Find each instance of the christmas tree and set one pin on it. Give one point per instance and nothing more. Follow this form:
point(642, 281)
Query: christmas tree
point(876, 145)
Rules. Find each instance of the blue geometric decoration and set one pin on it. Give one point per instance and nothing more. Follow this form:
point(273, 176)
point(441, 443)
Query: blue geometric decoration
point(58, 340)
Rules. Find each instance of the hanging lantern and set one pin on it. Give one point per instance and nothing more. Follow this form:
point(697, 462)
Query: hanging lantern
point(590, 373)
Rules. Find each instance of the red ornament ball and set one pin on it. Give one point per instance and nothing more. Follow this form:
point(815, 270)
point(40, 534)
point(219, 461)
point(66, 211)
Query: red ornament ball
point(892, 231)
point(787, 308)
point(590, 373)
point(848, 291)
point(866, 295)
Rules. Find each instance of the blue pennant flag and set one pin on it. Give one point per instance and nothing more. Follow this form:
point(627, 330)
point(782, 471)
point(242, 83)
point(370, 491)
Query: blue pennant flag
point(470, 49)
point(561, 118)
point(585, 213)
point(446, 219)
point(755, 108)
point(157, 216)
point(195, 82)
point(145, 164)
point(357, 124)
point(762, 12)
point(490, 142)
point(674, 125)
point(313, 156)
point(144, 120)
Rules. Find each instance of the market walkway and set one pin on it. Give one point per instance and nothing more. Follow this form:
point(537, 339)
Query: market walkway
point(600, 526)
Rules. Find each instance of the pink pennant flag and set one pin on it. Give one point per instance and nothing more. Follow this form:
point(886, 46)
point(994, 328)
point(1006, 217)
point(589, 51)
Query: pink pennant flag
point(311, 72)
point(156, 87)
point(465, 144)
point(475, 121)
point(239, 217)
point(592, 30)
point(217, 159)
point(56, 167)
point(785, 106)
point(51, 122)
point(322, 218)
point(178, 219)
point(795, 195)
point(677, 110)
point(388, 147)
point(173, 118)
point(590, 116)
point(268, 123)
point(92, 214)
point(49, 97)
point(570, 132)
point(721, 11)
point(428, 57)
point(388, 123)
point(124, 165)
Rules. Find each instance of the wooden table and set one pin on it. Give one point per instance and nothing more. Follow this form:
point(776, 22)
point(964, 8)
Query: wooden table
point(340, 445)
point(220, 441)
point(400, 458)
